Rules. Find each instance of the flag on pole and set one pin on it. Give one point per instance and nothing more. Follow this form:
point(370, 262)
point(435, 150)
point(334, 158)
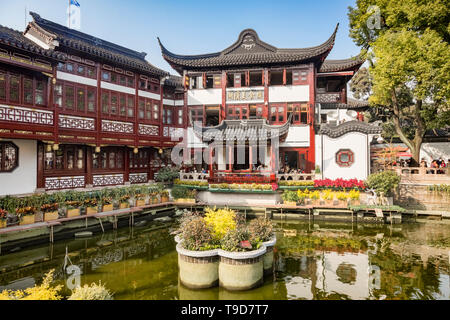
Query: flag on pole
point(74, 15)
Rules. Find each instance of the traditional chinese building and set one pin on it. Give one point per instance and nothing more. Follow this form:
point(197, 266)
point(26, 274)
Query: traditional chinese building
point(252, 87)
point(77, 111)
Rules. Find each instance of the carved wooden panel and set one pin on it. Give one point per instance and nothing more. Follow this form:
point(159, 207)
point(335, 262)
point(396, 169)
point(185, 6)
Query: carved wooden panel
point(64, 183)
point(148, 130)
point(138, 178)
point(117, 126)
point(25, 115)
point(70, 122)
point(108, 179)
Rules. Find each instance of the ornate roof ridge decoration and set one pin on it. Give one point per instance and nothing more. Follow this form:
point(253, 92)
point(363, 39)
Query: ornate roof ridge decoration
point(242, 130)
point(249, 50)
point(17, 39)
point(80, 41)
point(350, 64)
point(349, 126)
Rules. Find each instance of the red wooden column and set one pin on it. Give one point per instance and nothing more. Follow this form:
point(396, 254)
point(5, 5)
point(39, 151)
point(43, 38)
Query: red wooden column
point(126, 174)
point(211, 172)
point(89, 179)
point(266, 94)
point(52, 104)
point(98, 125)
point(224, 97)
point(230, 158)
point(312, 105)
point(40, 183)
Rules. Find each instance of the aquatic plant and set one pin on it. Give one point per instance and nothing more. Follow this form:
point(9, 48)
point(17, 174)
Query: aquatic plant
point(91, 292)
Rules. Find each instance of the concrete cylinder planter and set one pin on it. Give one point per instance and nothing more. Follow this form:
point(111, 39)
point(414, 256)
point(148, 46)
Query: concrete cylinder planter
point(268, 256)
point(241, 270)
point(198, 269)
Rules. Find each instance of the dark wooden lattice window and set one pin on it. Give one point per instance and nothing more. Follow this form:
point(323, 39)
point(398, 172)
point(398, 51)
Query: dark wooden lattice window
point(345, 158)
point(9, 156)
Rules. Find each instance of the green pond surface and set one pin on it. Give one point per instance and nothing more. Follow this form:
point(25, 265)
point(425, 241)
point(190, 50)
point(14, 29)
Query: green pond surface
point(312, 261)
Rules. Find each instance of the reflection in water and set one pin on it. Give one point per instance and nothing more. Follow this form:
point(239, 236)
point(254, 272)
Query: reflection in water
point(320, 261)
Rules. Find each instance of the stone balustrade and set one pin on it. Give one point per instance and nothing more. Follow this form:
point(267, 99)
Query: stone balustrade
point(193, 176)
point(296, 176)
point(423, 175)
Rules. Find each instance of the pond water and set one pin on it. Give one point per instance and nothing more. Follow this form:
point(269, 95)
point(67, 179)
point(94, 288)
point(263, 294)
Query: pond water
point(312, 261)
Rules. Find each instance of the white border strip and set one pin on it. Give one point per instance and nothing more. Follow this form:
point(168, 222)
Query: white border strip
point(74, 78)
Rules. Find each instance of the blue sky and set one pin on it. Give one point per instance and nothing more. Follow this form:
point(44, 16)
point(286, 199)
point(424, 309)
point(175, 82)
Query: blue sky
point(196, 27)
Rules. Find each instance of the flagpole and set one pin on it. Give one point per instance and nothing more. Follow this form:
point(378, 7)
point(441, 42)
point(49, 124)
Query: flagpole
point(69, 14)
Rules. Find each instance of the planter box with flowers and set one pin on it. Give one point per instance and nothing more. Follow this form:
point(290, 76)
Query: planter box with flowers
point(3, 218)
point(222, 249)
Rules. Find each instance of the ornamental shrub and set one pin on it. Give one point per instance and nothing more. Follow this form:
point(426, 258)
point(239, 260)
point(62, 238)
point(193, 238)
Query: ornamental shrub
point(39, 292)
point(385, 181)
point(179, 192)
point(261, 229)
point(220, 221)
point(92, 292)
point(167, 174)
point(289, 195)
point(196, 234)
point(232, 240)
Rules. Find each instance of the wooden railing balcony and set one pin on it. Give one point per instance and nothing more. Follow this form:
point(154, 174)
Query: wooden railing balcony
point(330, 97)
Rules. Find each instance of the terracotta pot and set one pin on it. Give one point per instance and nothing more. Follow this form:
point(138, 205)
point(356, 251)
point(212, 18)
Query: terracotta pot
point(164, 199)
point(140, 203)
point(29, 219)
point(107, 208)
point(290, 203)
point(50, 216)
point(124, 205)
point(73, 213)
point(2, 224)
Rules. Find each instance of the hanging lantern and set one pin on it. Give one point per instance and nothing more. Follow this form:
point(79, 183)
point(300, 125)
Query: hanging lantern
point(97, 149)
point(135, 150)
point(49, 148)
point(160, 151)
point(55, 146)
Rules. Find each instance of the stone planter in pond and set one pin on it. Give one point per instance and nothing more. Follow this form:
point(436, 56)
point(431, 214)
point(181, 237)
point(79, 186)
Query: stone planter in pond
point(198, 269)
point(241, 270)
point(268, 256)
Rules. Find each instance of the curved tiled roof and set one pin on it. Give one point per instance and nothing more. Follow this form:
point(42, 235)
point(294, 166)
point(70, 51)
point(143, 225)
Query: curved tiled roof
point(97, 47)
point(242, 130)
point(342, 65)
point(16, 39)
point(174, 81)
point(248, 50)
point(350, 126)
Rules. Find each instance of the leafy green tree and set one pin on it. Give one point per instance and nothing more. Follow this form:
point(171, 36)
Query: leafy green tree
point(409, 56)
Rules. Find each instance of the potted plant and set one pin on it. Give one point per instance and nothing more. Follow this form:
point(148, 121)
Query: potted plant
point(132, 191)
point(49, 207)
point(290, 197)
point(164, 196)
point(315, 197)
point(115, 194)
point(60, 199)
point(140, 197)
point(10, 204)
point(328, 196)
point(342, 197)
point(3, 218)
point(72, 203)
point(124, 198)
point(26, 211)
point(354, 196)
point(179, 194)
point(261, 229)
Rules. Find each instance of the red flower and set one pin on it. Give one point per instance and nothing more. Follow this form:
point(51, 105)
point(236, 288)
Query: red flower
point(274, 186)
point(245, 244)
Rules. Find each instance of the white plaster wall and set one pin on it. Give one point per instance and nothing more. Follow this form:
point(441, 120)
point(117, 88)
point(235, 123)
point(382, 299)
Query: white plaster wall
point(74, 78)
point(435, 150)
point(297, 137)
point(289, 93)
point(318, 151)
point(355, 141)
point(150, 95)
point(341, 115)
point(116, 87)
point(23, 178)
point(204, 96)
